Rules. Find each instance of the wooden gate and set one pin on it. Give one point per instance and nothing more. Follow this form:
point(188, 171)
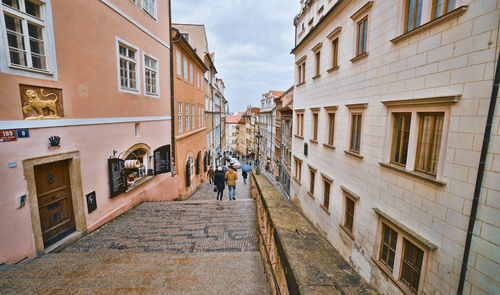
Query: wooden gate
point(55, 203)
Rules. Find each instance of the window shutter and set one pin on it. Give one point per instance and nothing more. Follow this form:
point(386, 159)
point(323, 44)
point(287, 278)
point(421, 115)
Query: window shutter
point(198, 163)
point(205, 160)
point(188, 174)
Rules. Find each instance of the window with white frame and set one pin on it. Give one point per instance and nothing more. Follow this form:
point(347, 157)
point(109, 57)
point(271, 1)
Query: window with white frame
point(25, 30)
point(191, 74)
point(178, 59)
point(187, 116)
point(150, 7)
point(151, 75)
point(179, 116)
point(193, 116)
point(186, 69)
point(128, 67)
point(199, 117)
point(202, 117)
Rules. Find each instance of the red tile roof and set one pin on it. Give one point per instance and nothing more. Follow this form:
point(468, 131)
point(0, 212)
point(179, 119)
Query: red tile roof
point(234, 119)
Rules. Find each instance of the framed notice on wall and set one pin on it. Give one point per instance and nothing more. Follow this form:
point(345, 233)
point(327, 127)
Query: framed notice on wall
point(117, 180)
point(162, 159)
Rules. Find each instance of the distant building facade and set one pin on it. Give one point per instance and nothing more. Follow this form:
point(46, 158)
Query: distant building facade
point(267, 129)
point(390, 105)
point(232, 122)
point(189, 107)
point(283, 143)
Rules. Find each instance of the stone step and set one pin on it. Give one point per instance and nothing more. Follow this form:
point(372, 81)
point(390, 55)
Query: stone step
point(134, 273)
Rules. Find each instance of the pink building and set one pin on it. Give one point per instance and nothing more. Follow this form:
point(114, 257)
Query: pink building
point(85, 123)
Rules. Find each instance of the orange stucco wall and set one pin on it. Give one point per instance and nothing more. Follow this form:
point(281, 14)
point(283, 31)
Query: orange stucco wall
point(189, 142)
point(86, 48)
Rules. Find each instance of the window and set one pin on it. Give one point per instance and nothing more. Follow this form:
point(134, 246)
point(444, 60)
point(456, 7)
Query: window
point(128, 67)
point(312, 176)
point(191, 167)
point(429, 142)
point(355, 133)
point(362, 36)
point(301, 72)
point(150, 7)
point(193, 116)
point(349, 214)
point(388, 246)
point(179, 63)
point(298, 170)
point(185, 69)
point(400, 138)
point(315, 116)
point(411, 265)
point(151, 75)
point(199, 117)
point(187, 116)
point(179, 116)
point(318, 64)
point(413, 14)
point(327, 184)
point(331, 128)
point(191, 74)
point(300, 124)
point(441, 7)
point(202, 117)
point(335, 53)
point(25, 31)
point(136, 166)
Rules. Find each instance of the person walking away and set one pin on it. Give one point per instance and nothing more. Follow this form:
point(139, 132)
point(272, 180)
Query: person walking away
point(231, 176)
point(245, 175)
point(219, 181)
point(211, 174)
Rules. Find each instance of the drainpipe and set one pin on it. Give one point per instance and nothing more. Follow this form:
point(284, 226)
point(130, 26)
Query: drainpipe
point(172, 128)
point(479, 179)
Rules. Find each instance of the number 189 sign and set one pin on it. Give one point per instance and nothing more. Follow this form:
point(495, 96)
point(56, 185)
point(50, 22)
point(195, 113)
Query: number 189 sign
point(8, 135)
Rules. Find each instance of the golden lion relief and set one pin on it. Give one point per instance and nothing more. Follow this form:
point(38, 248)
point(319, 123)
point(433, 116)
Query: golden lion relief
point(38, 105)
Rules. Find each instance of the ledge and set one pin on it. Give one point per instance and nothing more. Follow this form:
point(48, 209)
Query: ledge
point(454, 13)
point(331, 147)
point(310, 195)
point(300, 84)
point(334, 33)
point(362, 10)
point(413, 173)
point(359, 57)
point(426, 243)
point(437, 100)
point(357, 105)
point(298, 136)
point(317, 47)
point(347, 231)
point(316, 77)
point(313, 141)
point(350, 193)
point(388, 272)
point(297, 181)
point(315, 109)
point(326, 177)
point(331, 108)
point(307, 262)
point(333, 69)
point(353, 154)
point(139, 183)
point(325, 209)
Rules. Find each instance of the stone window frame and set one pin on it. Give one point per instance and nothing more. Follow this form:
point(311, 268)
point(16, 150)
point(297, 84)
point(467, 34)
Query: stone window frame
point(136, 60)
point(359, 17)
point(301, 70)
point(418, 106)
point(315, 125)
point(312, 181)
point(156, 70)
point(330, 110)
point(325, 204)
point(404, 233)
point(299, 119)
point(355, 109)
point(317, 60)
point(297, 169)
point(349, 195)
point(178, 62)
point(334, 38)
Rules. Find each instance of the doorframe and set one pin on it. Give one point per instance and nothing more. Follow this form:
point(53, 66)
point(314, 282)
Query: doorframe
point(76, 193)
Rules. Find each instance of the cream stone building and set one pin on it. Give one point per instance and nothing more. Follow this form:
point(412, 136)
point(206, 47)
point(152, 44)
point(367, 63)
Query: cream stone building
point(390, 107)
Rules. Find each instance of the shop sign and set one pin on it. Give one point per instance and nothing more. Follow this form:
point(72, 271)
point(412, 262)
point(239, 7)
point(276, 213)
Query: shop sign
point(91, 202)
point(162, 159)
point(8, 135)
point(117, 180)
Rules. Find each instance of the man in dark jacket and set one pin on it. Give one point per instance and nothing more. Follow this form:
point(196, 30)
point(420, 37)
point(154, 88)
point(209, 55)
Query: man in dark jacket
point(219, 181)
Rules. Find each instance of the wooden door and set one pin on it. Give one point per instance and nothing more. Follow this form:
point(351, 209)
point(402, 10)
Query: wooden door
point(54, 201)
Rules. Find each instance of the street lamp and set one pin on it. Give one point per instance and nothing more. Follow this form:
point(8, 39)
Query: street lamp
point(259, 136)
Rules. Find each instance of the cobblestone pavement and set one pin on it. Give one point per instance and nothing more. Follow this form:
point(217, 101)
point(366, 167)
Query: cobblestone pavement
point(199, 246)
point(206, 190)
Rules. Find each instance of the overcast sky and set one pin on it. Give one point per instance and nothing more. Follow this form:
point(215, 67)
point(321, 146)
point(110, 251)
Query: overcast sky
point(252, 40)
